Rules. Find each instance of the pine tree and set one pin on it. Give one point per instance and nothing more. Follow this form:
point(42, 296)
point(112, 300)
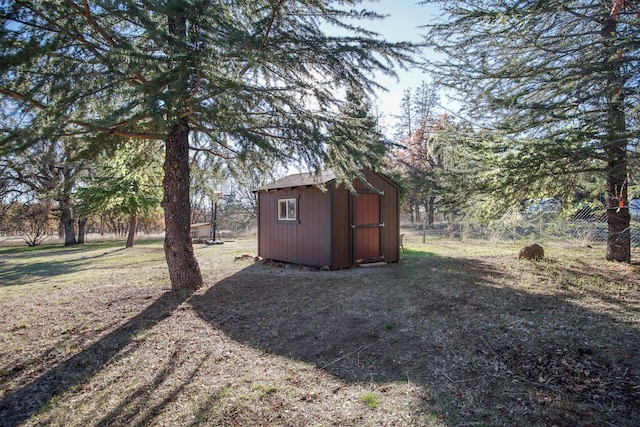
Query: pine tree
point(559, 79)
point(355, 128)
point(124, 182)
point(260, 79)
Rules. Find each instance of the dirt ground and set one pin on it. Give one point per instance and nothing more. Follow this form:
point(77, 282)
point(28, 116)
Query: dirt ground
point(450, 336)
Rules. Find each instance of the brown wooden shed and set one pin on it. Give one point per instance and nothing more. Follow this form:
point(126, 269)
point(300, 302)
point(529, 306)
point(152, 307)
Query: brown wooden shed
point(302, 224)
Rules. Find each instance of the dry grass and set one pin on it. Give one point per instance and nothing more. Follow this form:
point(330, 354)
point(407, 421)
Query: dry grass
point(456, 335)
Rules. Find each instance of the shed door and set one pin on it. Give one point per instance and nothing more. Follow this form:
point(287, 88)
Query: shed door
point(366, 227)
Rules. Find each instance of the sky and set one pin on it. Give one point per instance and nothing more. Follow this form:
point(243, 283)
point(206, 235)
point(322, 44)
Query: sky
point(402, 24)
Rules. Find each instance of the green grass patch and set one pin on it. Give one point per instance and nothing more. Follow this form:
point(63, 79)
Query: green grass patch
point(371, 400)
point(262, 390)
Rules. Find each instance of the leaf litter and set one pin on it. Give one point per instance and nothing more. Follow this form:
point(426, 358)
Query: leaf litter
point(436, 340)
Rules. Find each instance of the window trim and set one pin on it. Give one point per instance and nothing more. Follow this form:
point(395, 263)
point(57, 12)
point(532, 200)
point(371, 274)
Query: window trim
point(287, 219)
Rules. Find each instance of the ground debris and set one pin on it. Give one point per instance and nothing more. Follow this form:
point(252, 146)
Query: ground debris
point(440, 340)
point(600, 375)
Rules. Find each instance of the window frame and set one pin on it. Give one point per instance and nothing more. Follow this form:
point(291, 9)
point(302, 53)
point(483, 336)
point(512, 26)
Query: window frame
point(287, 219)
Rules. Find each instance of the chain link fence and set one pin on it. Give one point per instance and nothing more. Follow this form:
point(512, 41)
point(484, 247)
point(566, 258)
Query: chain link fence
point(582, 228)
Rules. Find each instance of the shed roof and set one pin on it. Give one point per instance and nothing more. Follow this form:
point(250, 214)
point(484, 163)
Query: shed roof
point(307, 179)
point(300, 180)
point(200, 224)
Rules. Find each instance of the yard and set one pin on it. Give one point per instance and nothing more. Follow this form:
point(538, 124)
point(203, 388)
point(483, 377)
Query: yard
point(458, 334)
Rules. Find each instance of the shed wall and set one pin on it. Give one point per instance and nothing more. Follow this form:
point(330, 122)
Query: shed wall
point(305, 241)
point(323, 235)
point(340, 227)
point(200, 231)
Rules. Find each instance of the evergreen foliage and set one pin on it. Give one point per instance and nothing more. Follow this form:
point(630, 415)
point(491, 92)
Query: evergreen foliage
point(355, 128)
point(258, 78)
point(124, 183)
point(558, 80)
point(261, 79)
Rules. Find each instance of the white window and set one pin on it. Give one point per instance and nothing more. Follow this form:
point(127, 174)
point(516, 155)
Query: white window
point(287, 209)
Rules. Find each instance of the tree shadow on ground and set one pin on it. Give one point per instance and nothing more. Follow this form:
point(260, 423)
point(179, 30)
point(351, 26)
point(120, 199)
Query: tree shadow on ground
point(486, 352)
point(11, 274)
point(129, 408)
point(27, 399)
point(27, 252)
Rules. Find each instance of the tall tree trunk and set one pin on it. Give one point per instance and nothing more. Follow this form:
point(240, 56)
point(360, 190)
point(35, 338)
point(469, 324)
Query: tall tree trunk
point(430, 211)
point(183, 266)
point(618, 217)
point(66, 220)
point(133, 225)
point(82, 229)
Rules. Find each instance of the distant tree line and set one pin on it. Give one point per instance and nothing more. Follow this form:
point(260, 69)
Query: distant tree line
point(38, 221)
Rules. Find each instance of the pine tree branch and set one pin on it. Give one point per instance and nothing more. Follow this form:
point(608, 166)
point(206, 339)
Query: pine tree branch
point(20, 97)
point(265, 38)
point(212, 152)
point(196, 66)
point(112, 131)
point(55, 28)
point(86, 12)
point(270, 24)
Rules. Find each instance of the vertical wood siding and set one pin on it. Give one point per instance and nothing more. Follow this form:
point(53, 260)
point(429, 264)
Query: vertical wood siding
point(323, 235)
point(366, 228)
point(340, 227)
point(305, 241)
point(390, 213)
